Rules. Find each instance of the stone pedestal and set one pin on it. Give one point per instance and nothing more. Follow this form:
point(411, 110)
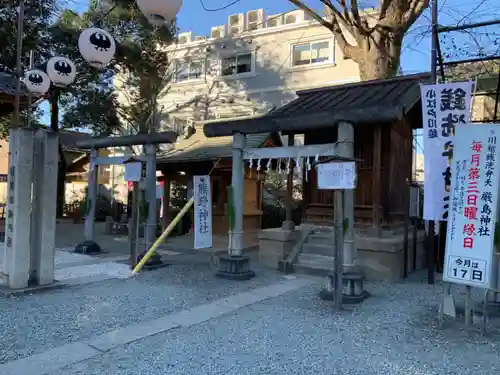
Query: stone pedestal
point(235, 268)
point(353, 287)
point(87, 247)
point(153, 263)
point(275, 244)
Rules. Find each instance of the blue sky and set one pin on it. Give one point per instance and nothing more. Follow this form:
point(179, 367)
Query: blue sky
point(416, 50)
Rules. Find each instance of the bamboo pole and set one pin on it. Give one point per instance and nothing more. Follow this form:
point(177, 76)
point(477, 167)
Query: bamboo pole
point(163, 236)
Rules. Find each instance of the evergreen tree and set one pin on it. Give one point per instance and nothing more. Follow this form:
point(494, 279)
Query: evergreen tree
point(142, 67)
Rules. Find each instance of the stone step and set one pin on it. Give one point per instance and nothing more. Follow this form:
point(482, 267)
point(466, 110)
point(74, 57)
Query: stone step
point(313, 264)
point(321, 239)
point(319, 249)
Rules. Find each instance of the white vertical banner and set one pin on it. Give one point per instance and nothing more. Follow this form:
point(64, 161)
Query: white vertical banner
point(470, 252)
point(202, 212)
point(444, 106)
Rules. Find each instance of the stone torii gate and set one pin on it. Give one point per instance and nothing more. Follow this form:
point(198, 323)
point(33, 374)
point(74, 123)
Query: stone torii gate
point(148, 140)
point(235, 265)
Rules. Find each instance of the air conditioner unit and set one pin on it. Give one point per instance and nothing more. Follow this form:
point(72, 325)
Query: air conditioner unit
point(255, 19)
point(295, 17)
point(184, 38)
point(274, 20)
point(236, 24)
point(218, 32)
point(199, 38)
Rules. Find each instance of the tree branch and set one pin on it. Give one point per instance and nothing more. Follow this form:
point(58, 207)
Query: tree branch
point(416, 8)
point(355, 13)
point(345, 18)
point(312, 13)
point(384, 5)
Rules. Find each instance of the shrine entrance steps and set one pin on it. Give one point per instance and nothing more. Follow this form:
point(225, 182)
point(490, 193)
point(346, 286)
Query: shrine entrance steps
point(317, 253)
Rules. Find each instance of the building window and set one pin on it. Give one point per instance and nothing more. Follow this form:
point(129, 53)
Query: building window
point(237, 64)
point(189, 70)
point(312, 53)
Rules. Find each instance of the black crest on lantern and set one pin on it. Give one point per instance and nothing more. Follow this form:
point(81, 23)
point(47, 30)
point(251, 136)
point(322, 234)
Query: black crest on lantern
point(62, 68)
point(35, 79)
point(100, 41)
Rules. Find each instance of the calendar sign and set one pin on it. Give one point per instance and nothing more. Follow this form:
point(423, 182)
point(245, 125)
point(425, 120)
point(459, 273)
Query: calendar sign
point(470, 251)
point(466, 269)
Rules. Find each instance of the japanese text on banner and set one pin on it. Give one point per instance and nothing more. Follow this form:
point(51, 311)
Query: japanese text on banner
point(469, 244)
point(444, 107)
point(202, 212)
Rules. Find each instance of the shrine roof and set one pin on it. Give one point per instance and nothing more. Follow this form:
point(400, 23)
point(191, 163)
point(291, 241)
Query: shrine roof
point(8, 85)
point(378, 101)
point(198, 147)
point(69, 138)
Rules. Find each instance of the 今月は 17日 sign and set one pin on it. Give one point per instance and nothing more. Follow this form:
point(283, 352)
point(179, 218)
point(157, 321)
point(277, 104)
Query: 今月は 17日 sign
point(470, 253)
point(444, 106)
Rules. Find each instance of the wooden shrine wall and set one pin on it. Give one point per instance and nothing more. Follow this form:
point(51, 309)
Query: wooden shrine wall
point(385, 157)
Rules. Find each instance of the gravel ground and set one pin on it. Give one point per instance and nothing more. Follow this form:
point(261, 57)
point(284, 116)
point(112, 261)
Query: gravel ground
point(33, 323)
point(391, 333)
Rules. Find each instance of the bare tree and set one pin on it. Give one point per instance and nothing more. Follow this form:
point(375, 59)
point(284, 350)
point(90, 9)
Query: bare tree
point(377, 47)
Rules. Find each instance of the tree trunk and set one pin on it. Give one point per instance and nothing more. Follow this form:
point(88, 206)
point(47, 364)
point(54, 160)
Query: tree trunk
point(376, 65)
point(379, 56)
point(61, 173)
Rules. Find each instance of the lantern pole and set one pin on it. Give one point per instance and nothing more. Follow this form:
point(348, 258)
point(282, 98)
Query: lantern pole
point(30, 97)
point(19, 68)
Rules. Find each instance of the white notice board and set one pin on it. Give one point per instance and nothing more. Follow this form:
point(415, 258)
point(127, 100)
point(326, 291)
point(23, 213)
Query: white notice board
point(133, 171)
point(470, 253)
point(337, 175)
point(202, 212)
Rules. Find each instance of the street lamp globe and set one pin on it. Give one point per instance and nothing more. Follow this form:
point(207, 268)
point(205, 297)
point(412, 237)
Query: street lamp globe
point(97, 47)
point(159, 12)
point(61, 71)
point(37, 82)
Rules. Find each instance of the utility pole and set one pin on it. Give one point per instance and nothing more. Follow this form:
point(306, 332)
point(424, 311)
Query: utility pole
point(19, 68)
point(32, 63)
point(431, 250)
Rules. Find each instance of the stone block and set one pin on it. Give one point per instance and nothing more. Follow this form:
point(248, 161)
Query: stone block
point(275, 245)
point(382, 257)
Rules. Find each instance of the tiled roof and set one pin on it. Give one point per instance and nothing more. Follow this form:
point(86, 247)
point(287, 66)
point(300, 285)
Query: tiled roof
point(8, 85)
point(68, 139)
point(362, 102)
point(372, 97)
point(200, 148)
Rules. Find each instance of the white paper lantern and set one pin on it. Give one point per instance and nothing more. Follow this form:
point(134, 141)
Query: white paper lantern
point(159, 12)
point(97, 47)
point(37, 82)
point(61, 71)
